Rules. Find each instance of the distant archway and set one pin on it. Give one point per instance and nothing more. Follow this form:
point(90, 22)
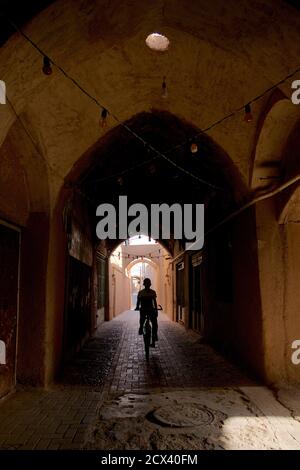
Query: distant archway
point(118, 164)
point(138, 271)
point(136, 261)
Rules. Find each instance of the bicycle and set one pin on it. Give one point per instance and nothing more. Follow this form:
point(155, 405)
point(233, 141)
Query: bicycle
point(147, 333)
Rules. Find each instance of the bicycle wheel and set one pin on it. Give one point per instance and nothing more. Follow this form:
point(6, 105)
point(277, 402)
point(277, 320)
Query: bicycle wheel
point(147, 338)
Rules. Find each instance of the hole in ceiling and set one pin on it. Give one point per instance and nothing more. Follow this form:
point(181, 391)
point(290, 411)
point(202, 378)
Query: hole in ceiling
point(157, 42)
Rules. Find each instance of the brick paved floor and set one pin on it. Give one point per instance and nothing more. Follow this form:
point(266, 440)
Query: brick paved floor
point(178, 361)
point(58, 418)
point(111, 363)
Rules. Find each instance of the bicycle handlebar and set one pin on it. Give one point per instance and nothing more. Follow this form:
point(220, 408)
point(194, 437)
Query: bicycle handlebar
point(158, 308)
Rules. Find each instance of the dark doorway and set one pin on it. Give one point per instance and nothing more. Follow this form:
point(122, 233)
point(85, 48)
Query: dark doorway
point(9, 283)
point(78, 306)
point(101, 268)
point(197, 315)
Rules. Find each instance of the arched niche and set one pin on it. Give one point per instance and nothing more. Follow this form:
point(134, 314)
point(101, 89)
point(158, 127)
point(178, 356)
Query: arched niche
point(290, 211)
point(276, 128)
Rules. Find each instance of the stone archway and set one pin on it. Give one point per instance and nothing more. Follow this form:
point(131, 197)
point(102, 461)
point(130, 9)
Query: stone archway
point(275, 130)
point(151, 273)
point(135, 261)
point(109, 156)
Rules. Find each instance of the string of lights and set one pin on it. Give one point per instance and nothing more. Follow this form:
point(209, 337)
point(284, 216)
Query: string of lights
point(127, 170)
point(47, 69)
point(120, 255)
point(47, 62)
point(246, 108)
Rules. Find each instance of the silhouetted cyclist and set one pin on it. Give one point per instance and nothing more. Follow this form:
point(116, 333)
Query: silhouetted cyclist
point(146, 303)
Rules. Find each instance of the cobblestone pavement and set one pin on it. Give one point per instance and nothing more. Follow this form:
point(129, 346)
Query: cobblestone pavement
point(111, 379)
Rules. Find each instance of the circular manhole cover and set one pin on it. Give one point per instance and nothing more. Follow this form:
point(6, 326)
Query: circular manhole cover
point(183, 415)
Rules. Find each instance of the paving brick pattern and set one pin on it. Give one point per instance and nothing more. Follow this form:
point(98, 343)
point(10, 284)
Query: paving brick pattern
point(46, 420)
point(111, 362)
point(180, 360)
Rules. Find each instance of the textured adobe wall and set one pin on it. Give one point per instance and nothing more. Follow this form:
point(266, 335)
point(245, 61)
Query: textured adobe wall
point(32, 320)
point(14, 198)
point(55, 294)
point(272, 285)
point(291, 312)
point(24, 201)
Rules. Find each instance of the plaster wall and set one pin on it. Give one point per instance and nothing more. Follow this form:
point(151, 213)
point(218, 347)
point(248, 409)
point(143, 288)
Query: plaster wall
point(291, 317)
point(119, 291)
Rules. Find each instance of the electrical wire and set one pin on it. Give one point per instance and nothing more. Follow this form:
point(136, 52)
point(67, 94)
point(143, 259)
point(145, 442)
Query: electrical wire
point(137, 136)
point(251, 203)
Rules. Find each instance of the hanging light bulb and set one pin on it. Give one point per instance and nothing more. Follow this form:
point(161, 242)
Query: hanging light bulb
point(164, 92)
point(194, 148)
point(47, 69)
point(248, 115)
point(103, 118)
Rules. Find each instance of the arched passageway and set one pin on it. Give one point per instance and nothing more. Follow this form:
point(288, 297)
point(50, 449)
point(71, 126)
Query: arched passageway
point(102, 175)
point(169, 136)
point(130, 263)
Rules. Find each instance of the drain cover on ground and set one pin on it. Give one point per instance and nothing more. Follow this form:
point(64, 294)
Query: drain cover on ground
point(183, 415)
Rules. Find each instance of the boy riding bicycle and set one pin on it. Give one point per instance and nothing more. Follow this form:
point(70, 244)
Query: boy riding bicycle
point(146, 303)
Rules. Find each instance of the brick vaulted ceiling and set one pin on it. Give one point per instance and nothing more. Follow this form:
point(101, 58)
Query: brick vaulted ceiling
point(222, 54)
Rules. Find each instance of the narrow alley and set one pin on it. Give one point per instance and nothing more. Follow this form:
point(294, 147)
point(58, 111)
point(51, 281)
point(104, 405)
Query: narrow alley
point(149, 171)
